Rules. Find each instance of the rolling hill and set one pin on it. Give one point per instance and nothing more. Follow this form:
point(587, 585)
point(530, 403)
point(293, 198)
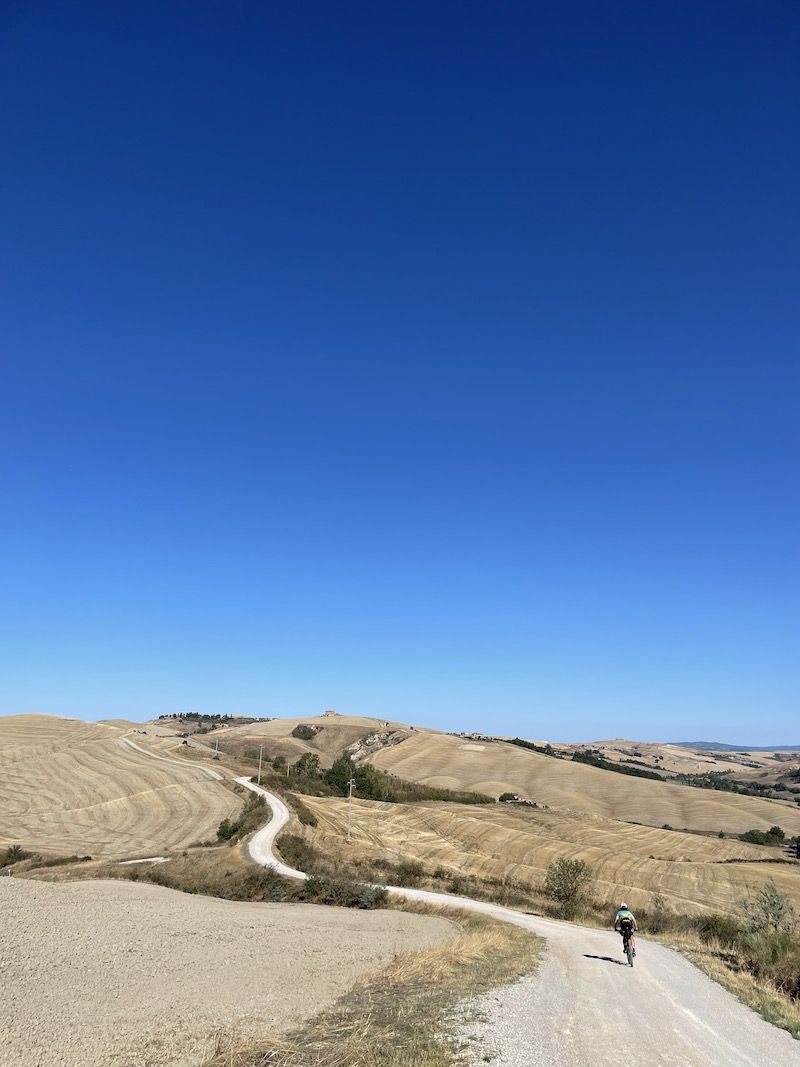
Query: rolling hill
point(332, 735)
point(693, 872)
point(496, 767)
point(68, 786)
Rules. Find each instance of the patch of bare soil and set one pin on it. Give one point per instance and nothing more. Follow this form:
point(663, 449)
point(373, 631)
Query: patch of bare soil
point(111, 974)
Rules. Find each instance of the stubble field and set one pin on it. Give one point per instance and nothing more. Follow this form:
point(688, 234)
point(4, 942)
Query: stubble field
point(88, 788)
point(692, 872)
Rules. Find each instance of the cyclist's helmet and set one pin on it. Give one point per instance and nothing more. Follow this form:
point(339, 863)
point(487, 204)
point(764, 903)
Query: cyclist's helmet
point(623, 906)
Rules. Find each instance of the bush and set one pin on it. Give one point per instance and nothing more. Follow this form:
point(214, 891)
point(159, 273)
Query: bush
point(304, 733)
point(252, 817)
point(13, 854)
point(768, 910)
point(343, 894)
point(658, 915)
point(303, 813)
point(720, 928)
point(774, 836)
point(409, 872)
point(507, 798)
point(299, 853)
point(566, 883)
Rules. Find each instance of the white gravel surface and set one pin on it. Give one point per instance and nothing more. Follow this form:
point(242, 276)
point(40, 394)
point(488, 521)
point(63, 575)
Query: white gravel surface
point(585, 1007)
point(120, 974)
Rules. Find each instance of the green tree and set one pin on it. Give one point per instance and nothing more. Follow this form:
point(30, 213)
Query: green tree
point(340, 773)
point(566, 883)
point(308, 765)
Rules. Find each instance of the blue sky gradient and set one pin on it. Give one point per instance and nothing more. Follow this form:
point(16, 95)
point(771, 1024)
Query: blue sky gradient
point(437, 363)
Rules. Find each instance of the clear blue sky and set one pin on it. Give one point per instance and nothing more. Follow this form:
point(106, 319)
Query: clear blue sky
point(432, 360)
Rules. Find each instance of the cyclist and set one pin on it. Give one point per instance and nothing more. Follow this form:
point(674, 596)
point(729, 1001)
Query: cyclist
point(625, 924)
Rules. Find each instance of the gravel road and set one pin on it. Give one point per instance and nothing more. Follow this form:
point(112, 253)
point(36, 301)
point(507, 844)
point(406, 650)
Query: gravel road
point(122, 974)
point(585, 1007)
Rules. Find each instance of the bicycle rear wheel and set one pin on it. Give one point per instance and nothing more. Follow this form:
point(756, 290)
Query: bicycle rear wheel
point(629, 952)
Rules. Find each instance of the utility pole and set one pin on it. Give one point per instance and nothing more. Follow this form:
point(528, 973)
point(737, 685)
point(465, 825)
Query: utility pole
point(350, 785)
point(216, 749)
point(260, 754)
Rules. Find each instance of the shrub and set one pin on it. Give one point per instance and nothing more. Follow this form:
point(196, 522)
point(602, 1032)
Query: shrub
point(342, 893)
point(768, 910)
point(304, 732)
point(299, 853)
point(507, 798)
point(658, 915)
point(13, 854)
point(720, 928)
point(566, 883)
point(252, 817)
point(409, 872)
point(303, 813)
point(773, 836)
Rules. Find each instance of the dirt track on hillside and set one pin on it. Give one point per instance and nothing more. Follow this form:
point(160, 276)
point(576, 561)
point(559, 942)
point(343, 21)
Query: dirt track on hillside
point(111, 974)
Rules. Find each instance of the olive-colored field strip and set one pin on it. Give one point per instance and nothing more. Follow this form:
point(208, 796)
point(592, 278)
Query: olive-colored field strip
point(73, 787)
point(633, 862)
point(495, 768)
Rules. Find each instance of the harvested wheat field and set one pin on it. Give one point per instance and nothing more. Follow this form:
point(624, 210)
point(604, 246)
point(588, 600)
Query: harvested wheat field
point(765, 767)
point(74, 787)
point(138, 974)
point(497, 767)
point(693, 872)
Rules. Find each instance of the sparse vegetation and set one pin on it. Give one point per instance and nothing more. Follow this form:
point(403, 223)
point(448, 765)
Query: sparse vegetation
point(304, 732)
point(593, 758)
point(774, 836)
point(374, 784)
point(224, 873)
point(253, 815)
point(13, 854)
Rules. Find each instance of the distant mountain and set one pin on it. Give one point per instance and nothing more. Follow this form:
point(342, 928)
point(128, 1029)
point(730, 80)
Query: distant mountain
point(718, 746)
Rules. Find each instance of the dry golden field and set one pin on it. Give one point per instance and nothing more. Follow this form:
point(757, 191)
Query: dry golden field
point(68, 787)
point(764, 767)
point(497, 767)
point(633, 862)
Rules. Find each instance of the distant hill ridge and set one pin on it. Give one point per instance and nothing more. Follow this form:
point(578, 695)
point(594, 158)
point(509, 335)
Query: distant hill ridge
point(718, 746)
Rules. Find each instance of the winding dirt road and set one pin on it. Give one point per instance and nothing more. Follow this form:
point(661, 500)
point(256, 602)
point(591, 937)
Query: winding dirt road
point(584, 1007)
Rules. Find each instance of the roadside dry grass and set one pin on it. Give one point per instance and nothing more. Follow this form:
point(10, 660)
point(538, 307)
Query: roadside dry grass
point(405, 1015)
point(719, 963)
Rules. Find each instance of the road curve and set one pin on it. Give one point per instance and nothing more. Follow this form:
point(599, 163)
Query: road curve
point(584, 1008)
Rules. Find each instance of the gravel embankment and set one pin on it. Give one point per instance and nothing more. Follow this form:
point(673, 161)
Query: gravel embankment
point(116, 974)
